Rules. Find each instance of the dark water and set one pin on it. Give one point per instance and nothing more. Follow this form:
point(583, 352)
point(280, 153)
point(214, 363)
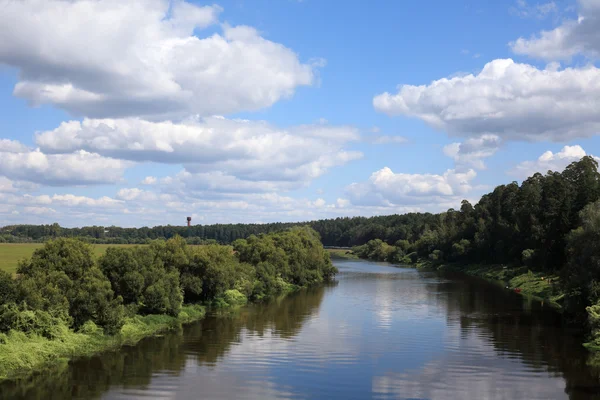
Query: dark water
point(379, 332)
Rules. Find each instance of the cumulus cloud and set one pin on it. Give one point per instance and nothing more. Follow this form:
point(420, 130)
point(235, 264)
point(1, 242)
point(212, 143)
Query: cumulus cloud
point(71, 200)
point(12, 146)
point(580, 36)
point(212, 147)
point(510, 100)
point(77, 168)
point(149, 63)
point(386, 188)
point(550, 161)
point(67, 201)
point(473, 151)
point(149, 180)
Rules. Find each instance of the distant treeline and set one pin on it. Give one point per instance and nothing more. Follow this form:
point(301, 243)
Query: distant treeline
point(339, 232)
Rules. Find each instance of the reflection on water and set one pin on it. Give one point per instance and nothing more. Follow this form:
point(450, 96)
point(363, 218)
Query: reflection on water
point(380, 332)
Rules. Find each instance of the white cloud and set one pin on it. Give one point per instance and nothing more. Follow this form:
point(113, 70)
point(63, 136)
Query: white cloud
point(549, 162)
point(77, 168)
point(12, 146)
point(6, 185)
point(473, 151)
point(386, 188)
point(387, 139)
point(524, 10)
point(149, 180)
point(141, 58)
point(70, 200)
point(205, 183)
point(213, 146)
point(38, 210)
point(138, 194)
point(581, 36)
point(135, 207)
point(511, 100)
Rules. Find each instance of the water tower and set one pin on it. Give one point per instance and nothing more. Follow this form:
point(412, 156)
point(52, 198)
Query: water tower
point(189, 220)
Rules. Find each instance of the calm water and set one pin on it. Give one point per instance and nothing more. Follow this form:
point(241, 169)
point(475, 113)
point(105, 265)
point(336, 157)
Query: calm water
point(379, 332)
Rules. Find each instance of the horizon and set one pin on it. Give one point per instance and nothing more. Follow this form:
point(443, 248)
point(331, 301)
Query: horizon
point(244, 112)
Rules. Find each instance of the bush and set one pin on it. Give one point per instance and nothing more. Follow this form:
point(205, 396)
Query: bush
point(234, 298)
point(13, 317)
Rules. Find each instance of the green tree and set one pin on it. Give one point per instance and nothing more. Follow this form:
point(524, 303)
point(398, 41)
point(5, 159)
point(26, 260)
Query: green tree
point(582, 272)
point(63, 279)
point(140, 277)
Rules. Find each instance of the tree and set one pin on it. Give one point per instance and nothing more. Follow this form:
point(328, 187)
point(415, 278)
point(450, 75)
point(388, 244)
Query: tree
point(582, 272)
point(8, 290)
point(62, 278)
point(140, 276)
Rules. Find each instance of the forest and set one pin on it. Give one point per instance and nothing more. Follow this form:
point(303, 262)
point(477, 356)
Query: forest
point(64, 300)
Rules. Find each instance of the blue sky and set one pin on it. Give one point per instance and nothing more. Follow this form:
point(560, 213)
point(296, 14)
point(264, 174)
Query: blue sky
point(144, 112)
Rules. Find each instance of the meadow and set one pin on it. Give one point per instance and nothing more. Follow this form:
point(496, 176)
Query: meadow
point(11, 253)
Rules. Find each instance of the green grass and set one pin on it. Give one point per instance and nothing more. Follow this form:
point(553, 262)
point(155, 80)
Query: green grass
point(11, 253)
point(536, 284)
point(22, 354)
point(341, 254)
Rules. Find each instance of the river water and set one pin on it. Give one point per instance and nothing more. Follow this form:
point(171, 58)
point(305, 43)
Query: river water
point(378, 332)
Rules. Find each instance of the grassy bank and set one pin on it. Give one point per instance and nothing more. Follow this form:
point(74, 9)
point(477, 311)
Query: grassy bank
point(22, 354)
point(535, 284)
point(341, 254)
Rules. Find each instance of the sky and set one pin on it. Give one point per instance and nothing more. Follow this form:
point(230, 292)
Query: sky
point(144, 112)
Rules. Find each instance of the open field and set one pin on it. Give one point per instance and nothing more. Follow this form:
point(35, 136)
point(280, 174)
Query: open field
point(10, 253)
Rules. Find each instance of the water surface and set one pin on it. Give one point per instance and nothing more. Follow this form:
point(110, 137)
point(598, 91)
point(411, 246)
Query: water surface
point(379, 332)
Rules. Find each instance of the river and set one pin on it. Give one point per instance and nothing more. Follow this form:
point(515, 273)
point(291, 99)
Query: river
point(378, 332)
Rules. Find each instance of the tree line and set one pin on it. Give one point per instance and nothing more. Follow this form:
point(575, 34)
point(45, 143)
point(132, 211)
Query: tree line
point(338, 232)
point(64, 286)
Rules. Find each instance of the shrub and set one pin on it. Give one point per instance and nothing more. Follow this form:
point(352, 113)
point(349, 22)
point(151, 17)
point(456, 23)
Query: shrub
point(22, 319)
point(234, 298)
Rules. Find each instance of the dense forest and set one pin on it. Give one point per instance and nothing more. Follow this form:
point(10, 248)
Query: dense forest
point(63, 290)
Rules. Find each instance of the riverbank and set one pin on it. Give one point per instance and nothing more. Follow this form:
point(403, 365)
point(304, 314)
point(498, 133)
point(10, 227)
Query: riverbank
point(67, 303)
point(22, 354)
point(341, 254)
point(544, 287)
